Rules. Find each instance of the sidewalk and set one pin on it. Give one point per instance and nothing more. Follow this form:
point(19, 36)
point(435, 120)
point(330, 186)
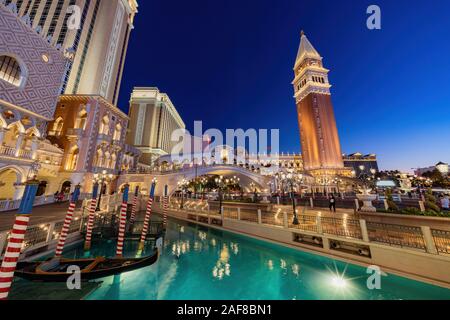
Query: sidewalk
point(41, 214)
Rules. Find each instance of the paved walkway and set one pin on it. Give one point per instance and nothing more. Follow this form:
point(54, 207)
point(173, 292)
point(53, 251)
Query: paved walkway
point(41, 214)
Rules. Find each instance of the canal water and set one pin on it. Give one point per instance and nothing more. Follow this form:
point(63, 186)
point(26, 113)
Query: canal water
point(202, 263)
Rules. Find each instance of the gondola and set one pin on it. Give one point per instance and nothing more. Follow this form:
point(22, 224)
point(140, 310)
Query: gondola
point(56, 270)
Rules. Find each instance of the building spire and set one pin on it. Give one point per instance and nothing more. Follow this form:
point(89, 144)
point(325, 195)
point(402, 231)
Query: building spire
point(306, 49)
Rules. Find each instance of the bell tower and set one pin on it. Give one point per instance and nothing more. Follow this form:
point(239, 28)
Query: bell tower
point(321, 149)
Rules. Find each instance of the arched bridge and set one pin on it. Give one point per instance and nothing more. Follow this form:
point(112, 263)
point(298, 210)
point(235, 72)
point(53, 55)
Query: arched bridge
point(171, 178)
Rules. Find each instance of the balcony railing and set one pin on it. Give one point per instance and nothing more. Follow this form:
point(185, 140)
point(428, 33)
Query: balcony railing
point(9, 205)
point(40, 236)
point(11, 152)
point(7, 151)
point(77, 132)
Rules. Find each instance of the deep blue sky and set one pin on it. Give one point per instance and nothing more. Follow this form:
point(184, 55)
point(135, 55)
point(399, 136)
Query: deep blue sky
point(229, 63)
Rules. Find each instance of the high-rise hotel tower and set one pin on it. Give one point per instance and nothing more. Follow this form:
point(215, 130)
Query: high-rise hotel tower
point(321, 149)
point(100, 41)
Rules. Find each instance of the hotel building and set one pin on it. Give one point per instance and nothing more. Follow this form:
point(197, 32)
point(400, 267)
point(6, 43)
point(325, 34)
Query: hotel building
point(91, 131)
point(82, 132)
point(99, 44)
point(31, 73)
point(153, 118)
point(357, 161)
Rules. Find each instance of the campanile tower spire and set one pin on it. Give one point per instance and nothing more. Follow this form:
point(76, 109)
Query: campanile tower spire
point(321, 149)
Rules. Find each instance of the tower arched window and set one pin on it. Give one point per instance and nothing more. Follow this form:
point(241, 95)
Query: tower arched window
point(73, 159)
point(11, 71)
point(80, 122)
point(58, 126)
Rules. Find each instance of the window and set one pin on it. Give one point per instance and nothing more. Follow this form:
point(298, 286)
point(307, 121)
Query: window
point(58, 126)
point(10, 71)
point(73, 159)
point(80, 122)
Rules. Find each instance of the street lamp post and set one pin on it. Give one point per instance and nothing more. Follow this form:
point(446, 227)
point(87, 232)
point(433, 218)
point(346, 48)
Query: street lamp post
point(203, 182)
point(219, 182)
point(338, 181)
point(102, 179)
point(291, 179)
point(182, 185)
point(365, 177)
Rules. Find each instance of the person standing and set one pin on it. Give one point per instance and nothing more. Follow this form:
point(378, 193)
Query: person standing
point(445, 203)
point(332, 203)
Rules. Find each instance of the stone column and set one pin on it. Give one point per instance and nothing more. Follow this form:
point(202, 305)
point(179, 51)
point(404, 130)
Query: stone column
point(429, 241)
point(18, 194)
point(422, 206)
point(239, 213)
point(285, 220)
point(2, 135)
point(259, 217)
point(364, 233)
point(319, 224)
point(326, 243)
point(19, 143)
point(34, 147)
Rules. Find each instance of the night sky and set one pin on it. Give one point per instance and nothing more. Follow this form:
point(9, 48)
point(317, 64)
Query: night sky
point(229, 63)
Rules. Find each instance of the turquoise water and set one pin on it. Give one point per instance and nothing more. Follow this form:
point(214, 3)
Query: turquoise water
point(203, 263)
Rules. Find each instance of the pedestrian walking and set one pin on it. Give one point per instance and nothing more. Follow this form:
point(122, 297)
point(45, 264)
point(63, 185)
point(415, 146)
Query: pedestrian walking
point(332, 203)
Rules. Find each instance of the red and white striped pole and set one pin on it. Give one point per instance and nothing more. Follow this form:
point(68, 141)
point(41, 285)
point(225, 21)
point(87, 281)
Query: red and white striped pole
point(148, 214)
point(14, 247)
point(122, 221)
point(67, 222)
point(165, 205)
point(135, 200)
point(90, 223)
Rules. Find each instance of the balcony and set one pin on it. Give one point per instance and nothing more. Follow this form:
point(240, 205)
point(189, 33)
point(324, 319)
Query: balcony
point(75, 132)
point(12, 152)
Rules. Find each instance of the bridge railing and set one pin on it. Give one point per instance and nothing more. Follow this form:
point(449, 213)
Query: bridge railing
point(418, 238)
point(10, 205)
point(40, 236)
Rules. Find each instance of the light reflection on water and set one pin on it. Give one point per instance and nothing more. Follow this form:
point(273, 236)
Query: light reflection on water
point(202, 263)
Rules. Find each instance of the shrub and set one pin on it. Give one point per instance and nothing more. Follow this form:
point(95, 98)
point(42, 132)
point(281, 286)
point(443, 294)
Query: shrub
point(392, 206)
point(414, 211)
point(432, 206)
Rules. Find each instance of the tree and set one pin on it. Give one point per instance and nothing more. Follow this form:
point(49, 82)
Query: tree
point(439, 180)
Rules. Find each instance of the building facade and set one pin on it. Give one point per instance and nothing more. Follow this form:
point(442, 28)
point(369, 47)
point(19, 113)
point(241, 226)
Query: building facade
point(96, 30)
point(153, 118)
point(361, 164)
point(31, 74)
point(91, 131)
point(442, 167)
